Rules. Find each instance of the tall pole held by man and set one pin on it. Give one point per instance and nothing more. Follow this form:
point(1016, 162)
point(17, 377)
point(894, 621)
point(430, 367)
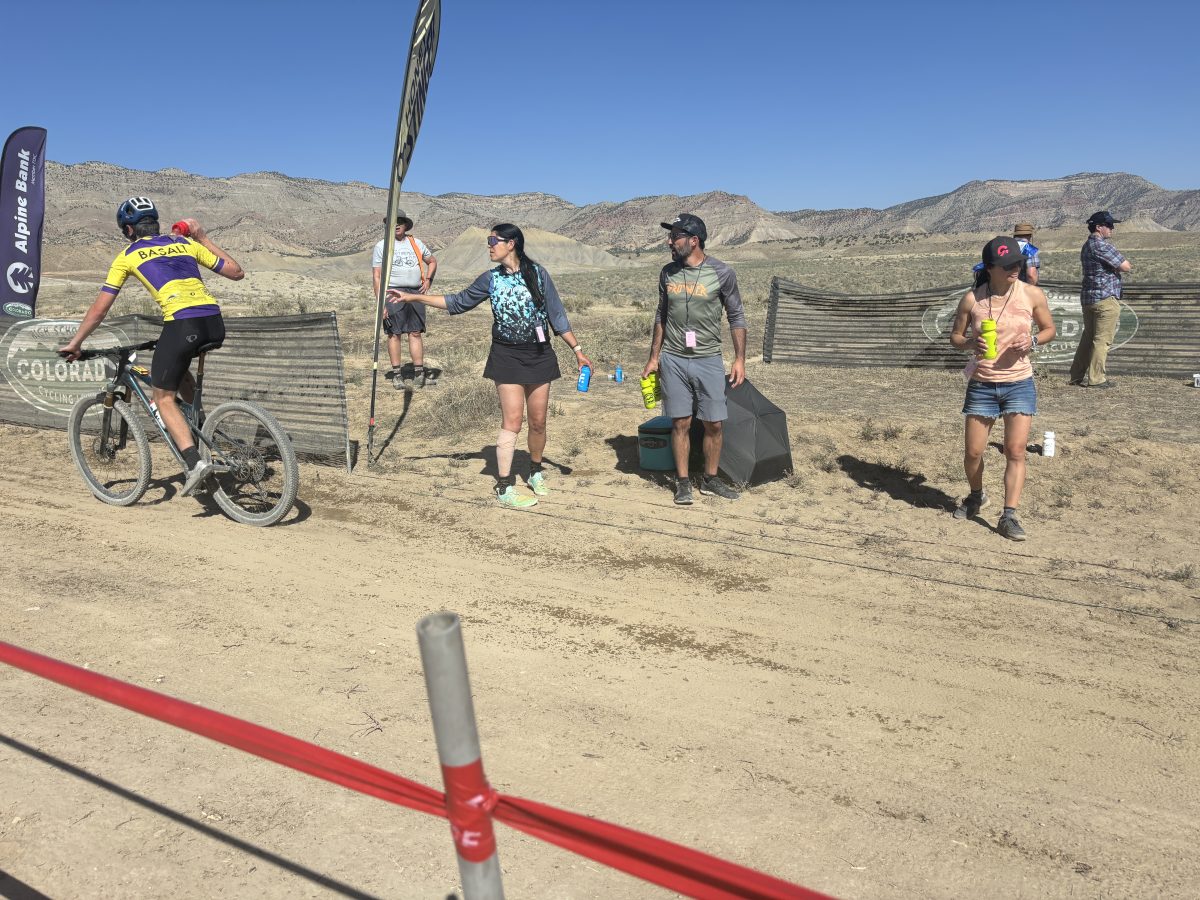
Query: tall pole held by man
point(421, 54)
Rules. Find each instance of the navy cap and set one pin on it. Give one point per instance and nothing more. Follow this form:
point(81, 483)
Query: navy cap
point(1104, 217)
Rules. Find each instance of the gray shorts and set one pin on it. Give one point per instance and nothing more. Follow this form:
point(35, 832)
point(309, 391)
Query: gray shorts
point(404, 318)
point(693, 386)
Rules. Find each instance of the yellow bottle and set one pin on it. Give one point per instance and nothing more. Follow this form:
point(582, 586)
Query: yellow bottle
point(987, 329)
point(650, 390)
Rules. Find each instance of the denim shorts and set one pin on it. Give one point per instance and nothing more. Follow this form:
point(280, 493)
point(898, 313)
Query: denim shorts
point(992, 400)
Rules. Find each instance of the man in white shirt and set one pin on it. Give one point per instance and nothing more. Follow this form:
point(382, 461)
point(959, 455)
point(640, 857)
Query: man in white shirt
point(413, 268)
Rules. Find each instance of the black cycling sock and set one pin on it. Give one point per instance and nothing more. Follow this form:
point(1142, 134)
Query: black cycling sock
point(191, 456)
point(975, 495)
point(505, 481)
point(535, 466)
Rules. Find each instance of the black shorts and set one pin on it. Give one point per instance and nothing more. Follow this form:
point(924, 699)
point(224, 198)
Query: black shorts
point(178, 345)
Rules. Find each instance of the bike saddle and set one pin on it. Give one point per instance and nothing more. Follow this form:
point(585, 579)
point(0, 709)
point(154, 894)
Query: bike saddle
point(209, 347)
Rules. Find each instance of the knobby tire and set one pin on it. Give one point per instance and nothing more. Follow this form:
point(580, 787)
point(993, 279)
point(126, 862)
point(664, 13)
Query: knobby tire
point(117, 475)
point(256, 475)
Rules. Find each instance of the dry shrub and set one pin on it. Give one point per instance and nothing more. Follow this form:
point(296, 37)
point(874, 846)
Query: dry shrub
point(462, 410)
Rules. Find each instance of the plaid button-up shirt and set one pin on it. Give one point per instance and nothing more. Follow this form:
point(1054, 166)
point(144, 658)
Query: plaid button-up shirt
point(1101, 270)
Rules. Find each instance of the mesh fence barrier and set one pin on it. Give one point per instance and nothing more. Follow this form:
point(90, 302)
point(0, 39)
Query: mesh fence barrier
point(290, 365)
point(1158, 334)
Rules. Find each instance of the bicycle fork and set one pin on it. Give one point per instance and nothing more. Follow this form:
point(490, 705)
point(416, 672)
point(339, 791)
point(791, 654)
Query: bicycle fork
point(110, 398)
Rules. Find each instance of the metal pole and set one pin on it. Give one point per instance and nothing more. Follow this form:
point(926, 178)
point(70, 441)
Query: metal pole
point(444, 659)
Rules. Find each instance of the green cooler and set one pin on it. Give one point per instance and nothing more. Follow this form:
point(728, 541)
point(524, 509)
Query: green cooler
point(654, 445)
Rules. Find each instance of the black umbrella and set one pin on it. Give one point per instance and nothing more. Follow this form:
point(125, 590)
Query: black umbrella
point(756, 447)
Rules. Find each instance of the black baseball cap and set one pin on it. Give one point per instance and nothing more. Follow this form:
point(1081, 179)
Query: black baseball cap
point(688, 224)
point(1104, 217)
point(1002, 251)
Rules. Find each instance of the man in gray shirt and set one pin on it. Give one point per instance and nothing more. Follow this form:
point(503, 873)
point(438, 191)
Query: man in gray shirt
point(694, 289)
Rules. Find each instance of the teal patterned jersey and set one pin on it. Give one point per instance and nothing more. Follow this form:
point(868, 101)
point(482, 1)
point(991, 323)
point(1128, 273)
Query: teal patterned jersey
point(516, 316)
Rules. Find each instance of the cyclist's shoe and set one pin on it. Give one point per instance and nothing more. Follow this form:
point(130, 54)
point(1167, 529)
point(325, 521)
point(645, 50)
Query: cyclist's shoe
point(970, 506)
point(419, 376)
point(196, 476)
point(683, 492)
point(711, 484)
point(507, 496)
point(393, 375)
point(1009, 527)
point(537, 484)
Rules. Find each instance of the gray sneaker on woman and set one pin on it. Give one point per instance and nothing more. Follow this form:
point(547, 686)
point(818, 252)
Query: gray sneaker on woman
point(1009, 527)
point(970, 506)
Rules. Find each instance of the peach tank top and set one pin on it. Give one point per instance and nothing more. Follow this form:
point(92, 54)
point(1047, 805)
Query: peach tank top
point(1013, 317)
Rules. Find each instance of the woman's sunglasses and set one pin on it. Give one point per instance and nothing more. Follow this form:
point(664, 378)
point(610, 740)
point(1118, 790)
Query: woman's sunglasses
point(493, 240)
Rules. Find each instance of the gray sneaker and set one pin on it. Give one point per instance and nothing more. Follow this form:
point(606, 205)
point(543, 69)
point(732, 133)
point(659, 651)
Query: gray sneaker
point(196, 476)
point(969, 508)
point(683, 492)
point(714, 485)
point(1009, 527)
point(418, 380)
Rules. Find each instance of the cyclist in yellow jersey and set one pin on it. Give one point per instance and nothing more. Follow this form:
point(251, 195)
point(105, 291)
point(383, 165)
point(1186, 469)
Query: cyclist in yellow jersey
point(168, 266)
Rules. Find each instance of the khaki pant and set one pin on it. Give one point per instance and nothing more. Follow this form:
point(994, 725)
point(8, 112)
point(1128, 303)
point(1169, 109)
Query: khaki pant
point(1099, 328)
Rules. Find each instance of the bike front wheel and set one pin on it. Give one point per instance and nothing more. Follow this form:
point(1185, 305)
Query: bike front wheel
point(111, 450)
point(255, 475)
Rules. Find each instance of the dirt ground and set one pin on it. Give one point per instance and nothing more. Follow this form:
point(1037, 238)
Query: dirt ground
point(830, 680)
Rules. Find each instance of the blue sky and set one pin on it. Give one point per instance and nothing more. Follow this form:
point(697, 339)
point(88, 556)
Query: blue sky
point(794, 104)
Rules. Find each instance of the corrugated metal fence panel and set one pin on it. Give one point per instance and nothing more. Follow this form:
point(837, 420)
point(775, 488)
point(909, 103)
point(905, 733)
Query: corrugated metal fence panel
point(1159, 333)
point(291, 365)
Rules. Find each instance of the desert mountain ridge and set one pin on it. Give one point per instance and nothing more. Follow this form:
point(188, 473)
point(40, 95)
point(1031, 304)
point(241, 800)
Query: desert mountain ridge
point(283, 217)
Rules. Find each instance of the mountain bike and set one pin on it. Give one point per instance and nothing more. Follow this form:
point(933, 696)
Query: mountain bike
point(254, 478)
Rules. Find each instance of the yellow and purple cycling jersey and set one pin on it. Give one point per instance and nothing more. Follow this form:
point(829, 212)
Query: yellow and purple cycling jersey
point(169, 267)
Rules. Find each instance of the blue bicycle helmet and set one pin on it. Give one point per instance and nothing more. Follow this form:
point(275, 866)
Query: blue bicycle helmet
point(134, 210)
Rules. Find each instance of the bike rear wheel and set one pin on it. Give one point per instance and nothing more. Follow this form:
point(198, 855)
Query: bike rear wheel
point(115, 462)
point(255, 474)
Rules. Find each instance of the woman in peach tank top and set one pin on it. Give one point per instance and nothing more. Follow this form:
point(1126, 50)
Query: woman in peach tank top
point(1002, 386)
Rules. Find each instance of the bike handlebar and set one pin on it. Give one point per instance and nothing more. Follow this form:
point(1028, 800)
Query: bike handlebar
point(115, 353)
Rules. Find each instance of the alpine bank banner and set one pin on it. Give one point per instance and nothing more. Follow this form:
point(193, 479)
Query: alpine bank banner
point(22, 211)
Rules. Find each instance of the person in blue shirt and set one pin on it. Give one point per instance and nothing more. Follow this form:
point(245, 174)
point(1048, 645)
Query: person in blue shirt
point(1023, 233)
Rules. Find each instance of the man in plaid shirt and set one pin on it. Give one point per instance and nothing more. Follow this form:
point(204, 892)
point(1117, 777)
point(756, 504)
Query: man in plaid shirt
point(1103, 266)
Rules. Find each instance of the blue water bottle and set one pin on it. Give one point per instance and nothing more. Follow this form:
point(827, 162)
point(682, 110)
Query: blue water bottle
point(620, 376)
point(585, 378)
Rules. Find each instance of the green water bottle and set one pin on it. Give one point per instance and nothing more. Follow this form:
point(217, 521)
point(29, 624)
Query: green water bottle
point(987, 328)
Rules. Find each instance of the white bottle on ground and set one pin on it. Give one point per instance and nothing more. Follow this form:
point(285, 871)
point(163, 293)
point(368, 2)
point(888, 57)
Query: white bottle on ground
point(1048, 444)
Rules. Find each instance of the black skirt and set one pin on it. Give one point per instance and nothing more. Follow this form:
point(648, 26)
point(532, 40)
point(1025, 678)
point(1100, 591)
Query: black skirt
point(525, 364)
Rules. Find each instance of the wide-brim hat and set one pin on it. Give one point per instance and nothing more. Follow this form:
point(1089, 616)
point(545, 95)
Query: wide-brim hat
point(402, 219)
point(1022, 229)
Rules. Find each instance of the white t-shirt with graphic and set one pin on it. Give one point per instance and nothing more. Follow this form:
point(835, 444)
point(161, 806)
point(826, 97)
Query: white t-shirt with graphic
point(406, 272)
